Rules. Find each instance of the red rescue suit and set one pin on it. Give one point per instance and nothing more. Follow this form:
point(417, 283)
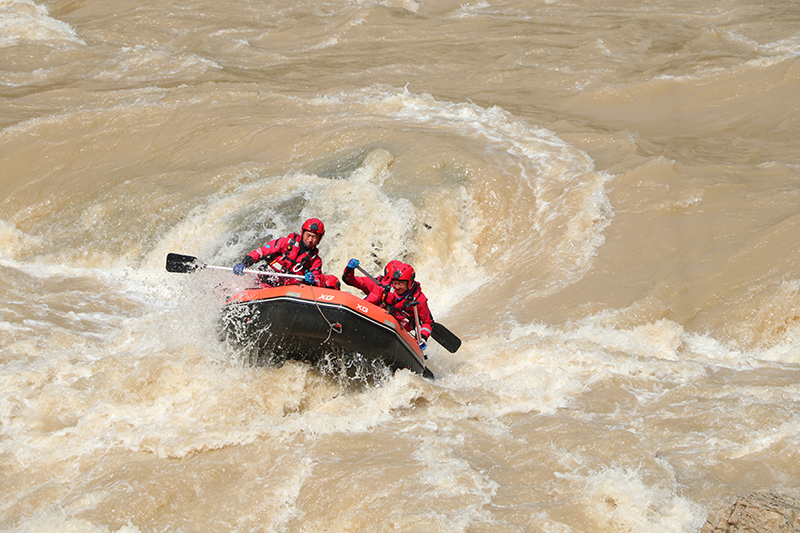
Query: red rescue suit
point(402, 307)
point(365, 284)
point(362, 283)
point(288, 255)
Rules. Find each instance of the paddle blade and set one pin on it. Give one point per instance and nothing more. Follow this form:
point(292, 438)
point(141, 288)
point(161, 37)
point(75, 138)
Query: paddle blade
point(182, 264)
point(443, 336)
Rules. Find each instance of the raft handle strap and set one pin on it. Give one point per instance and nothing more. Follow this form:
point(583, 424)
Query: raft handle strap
point(331, 327)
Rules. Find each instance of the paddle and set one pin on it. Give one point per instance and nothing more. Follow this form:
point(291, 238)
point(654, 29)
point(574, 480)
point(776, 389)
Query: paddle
point(186, 264)
point(440, 334)
point(445, 337)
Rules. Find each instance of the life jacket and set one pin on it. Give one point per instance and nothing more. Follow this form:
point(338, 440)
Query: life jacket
point(292, 260)
point(402, 307)
point(288, 259)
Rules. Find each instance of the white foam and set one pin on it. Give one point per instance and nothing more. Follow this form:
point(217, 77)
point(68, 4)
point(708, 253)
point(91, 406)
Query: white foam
point(784, 435)
point(61, 522)
point(141, 62)
point(789, 47)
point(361, 217)
point(24, 21)
point(619, 500)
point(560, 197)
point(13, 242)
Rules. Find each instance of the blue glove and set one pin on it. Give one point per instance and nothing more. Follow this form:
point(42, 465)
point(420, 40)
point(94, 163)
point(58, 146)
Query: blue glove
point(238, 269)
point(353, 263)
point(309, 278)
point(422, 345)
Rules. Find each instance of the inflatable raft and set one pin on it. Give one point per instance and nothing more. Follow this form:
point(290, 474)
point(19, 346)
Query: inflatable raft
point(314, 324)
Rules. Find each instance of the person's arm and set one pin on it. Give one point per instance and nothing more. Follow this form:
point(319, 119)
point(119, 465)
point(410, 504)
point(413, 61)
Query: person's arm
point(361, 283)
point(269, 249)
point(425, 318)
point(349, 277)
point(273, 247)
point(375, 294)
point(315, 268)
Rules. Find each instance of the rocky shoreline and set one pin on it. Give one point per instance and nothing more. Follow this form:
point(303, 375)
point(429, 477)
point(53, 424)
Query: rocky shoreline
point(759, 512)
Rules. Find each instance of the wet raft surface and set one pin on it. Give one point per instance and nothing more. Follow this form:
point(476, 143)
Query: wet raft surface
point(313, 324)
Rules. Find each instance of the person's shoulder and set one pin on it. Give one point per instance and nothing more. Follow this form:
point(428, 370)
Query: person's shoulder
point(279, 243)
point(376, 288)
point(421, 295)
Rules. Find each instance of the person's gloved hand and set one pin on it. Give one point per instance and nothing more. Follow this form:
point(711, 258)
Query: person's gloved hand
point(309, 278)
point(353, 263)
point(422, 344)
point(238, 269)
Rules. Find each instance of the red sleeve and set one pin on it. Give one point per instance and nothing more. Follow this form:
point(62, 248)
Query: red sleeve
point(361, 283)
point(349, 277)
point(375, 294)
point(273, 247)
point(316, 268)
point(425, 318)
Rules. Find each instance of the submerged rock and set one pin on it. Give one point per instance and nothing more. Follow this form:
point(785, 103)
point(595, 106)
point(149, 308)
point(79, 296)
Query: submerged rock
point(760, 512)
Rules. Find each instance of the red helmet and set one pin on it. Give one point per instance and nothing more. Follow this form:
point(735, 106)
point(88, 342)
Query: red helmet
point(391, 266)
point(403, 272)
point(331, 281)
point(315, 225)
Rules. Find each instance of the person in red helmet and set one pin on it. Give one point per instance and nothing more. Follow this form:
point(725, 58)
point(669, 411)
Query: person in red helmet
point(331, 282)
point(400, 298)
point(294, 254)
point(364, 283)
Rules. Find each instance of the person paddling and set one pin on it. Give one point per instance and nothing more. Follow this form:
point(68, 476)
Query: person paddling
point(294, 254)
point(403, 299)
point(364, 283)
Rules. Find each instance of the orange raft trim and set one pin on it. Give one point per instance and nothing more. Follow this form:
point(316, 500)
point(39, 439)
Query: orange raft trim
point(300, 299)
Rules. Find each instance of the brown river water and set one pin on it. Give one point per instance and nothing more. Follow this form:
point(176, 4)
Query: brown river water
point(602, 200)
